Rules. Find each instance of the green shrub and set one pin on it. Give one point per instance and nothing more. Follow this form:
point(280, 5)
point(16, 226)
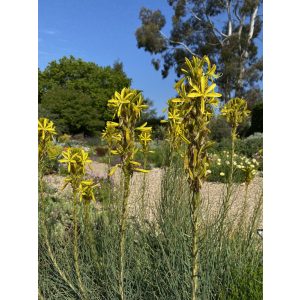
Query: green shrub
point(220, 167)
point(248, 146)
point(256, 118)
point(219, 129)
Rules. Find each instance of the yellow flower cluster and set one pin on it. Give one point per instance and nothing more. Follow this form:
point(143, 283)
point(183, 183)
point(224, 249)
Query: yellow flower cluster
point(111, 134)
point(46, 132)
point(127, 106)
point(189, 115)
point(145, 137)
point(235, 111)
point(76, 160)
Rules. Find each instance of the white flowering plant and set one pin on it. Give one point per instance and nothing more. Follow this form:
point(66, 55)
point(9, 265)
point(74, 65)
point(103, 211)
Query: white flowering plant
point(244, 168)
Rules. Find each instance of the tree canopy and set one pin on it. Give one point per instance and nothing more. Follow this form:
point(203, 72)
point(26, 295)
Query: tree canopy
point(75, 93)
point(225, 30)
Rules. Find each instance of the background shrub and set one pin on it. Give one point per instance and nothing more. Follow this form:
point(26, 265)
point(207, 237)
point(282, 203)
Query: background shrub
point(247, 146)
point(256, 118)
point(219, 129)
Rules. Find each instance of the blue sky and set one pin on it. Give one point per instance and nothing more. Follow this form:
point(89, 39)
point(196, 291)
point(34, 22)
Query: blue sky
point(103, 32)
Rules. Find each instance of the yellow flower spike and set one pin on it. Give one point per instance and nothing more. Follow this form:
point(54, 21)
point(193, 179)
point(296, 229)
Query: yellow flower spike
point(113, 169)
point(128, 106)
point(235, 111)
point(111, 134)
point(189, 115)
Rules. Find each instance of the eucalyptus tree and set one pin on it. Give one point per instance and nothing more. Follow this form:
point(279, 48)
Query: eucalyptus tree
point(228, 31)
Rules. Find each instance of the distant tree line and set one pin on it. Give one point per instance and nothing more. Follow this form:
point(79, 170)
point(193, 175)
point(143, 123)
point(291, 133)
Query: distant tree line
point(74, 94)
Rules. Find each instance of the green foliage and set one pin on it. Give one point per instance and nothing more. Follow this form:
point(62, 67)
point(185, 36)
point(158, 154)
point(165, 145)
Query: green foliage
point(72, 111)
point(219, 129)
point(148, 35)
point(159, 155)
point(257, 118)
point(248, 146)
point(85, 85)
point(64, 138)
point(158, 263)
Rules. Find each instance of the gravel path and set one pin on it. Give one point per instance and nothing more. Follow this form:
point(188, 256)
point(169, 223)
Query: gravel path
point(212, 193)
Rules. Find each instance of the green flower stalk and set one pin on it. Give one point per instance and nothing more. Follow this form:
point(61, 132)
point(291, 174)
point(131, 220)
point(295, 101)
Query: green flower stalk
point(144, 140)
point(189, 116)
point(76, 160)
point(86, 195)
point(235, 111)
point(175, 130)
point(127, 107)
point(111, 136)
point(250, 170)
point(46, 132)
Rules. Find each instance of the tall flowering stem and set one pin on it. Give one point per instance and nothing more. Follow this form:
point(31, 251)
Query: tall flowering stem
point(144, 139)
point(46, 133)
point(76, 160)
point(188, 118)
point(86, 195)
point(235, 112)
point(127, 107)
point(111, 136)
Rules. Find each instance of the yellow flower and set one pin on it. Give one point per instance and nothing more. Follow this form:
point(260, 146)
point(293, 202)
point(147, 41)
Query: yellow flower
point(85, 190)
point(145, 138)
point(222, 174)
point(84, 158)
point(76, 160)
point(46, 129)
point(69, 158)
